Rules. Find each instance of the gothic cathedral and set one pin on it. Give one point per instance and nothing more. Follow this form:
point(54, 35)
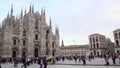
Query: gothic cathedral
point(28, 35)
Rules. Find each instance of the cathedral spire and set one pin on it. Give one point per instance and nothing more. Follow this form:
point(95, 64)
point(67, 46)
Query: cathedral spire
point(43, 17)
point(62, 43)
point(57, 32)
point(33, 8)
point(30, 8)
point(12, 10)
point(50, 25)
point(42, 11)
point(25, 12)
point(8, 15)
point(21, 12)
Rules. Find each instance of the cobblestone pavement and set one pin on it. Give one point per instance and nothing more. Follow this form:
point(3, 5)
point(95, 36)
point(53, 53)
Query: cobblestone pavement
point(96, 63)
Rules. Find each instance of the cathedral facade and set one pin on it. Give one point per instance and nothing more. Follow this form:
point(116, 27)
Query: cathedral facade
point(28, 35)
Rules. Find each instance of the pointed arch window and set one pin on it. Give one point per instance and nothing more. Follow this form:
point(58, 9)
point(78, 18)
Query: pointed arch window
point(14, 41)
point(36, 36)
point(47, 32)
point(36, 24)
point(24, 32)
point(24, 42)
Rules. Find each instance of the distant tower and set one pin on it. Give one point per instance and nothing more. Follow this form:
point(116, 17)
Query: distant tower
point(8, 15)
point(21, 12)
point(33, 8)
point(25, 12)
point(12, 10)
point(30, 9)
point(43, 17)
point(57, 34)
point(42, 11)
point(62, 44)
point(50, 24)
point(57, 40)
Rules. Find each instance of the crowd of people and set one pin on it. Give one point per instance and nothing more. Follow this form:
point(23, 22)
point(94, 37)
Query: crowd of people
point(113, 57)
point(43, 61)
point(83, 58)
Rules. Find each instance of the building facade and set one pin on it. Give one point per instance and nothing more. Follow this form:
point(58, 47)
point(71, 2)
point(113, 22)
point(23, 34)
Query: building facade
point(97, 44)
point(72, 50)
point(100, 45)
point(117, 40)
point(28, 35)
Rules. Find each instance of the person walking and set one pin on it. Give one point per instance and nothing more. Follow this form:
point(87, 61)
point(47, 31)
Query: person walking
point(84, 60)
point(16, 61)
point(28, 61)
point(113, 58)
point(106, 57)
point(24, 62)
point(75, 58)
point(45, 62)
point(40, 62)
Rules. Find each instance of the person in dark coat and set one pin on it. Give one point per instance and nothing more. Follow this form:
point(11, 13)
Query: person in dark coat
point(84, 60)
point(24, 62)
point(75, 58)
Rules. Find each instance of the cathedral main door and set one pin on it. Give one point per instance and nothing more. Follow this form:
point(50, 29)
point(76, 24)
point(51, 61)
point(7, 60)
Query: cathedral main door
point(23, 54)
point(14, 54)
point(36, 52)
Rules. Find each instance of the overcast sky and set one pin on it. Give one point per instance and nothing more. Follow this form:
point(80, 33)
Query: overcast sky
point(77, 19)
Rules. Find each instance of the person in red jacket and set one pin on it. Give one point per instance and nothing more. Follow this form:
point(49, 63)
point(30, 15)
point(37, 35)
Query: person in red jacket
point(113, 58)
